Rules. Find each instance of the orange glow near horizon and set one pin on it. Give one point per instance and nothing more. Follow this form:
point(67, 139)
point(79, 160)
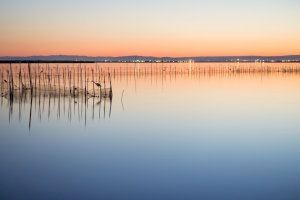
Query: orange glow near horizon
point(158, 48)
point(156, 28)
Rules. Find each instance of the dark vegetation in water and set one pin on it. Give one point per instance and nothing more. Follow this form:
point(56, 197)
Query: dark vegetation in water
point(62, 81)
point(75, 85)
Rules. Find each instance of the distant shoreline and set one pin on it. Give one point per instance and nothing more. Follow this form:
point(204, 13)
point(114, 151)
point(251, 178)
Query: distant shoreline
point(148, 59)
point(67, 61)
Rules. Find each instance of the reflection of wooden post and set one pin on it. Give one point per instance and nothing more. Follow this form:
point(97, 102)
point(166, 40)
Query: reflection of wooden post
point(110, 104)
point(30, 111)
point(100, 92)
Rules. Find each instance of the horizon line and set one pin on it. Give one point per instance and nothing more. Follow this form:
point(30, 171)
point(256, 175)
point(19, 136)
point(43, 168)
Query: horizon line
point(74, 55)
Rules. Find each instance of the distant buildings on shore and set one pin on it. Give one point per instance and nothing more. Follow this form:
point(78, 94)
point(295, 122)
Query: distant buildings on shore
point(148, 59)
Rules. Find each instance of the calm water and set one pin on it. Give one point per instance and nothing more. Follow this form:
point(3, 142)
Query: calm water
point(163, 136)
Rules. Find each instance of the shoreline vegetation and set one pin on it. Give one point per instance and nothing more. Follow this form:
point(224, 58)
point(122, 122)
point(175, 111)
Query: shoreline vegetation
point(148, 59)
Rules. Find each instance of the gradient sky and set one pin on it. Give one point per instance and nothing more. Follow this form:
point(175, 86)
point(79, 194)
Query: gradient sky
point(149, 27)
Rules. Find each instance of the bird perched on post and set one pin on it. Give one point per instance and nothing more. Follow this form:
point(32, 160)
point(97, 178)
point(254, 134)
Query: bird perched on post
point(100, 88)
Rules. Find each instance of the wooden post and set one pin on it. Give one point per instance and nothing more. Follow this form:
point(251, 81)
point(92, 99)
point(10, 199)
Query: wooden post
point(29, 74)
point(11, 81)
point(110, 89)
point(93, 82)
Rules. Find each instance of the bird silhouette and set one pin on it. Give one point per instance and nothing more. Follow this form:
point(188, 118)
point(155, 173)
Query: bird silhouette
point(97, 84)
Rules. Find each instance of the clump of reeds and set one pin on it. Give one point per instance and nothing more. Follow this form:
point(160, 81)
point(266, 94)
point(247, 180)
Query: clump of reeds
point(50, 80)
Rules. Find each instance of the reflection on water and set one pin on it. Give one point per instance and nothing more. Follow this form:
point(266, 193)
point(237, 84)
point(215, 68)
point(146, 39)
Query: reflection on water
point(171, 131)
point(44, 106)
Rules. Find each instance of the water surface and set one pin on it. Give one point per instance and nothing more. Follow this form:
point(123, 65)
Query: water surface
point(163, 136)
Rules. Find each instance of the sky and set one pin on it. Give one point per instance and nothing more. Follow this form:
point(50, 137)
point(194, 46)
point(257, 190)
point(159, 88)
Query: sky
point(149, 27)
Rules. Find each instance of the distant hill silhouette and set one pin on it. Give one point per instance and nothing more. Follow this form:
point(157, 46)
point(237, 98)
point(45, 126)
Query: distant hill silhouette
point(74, 58)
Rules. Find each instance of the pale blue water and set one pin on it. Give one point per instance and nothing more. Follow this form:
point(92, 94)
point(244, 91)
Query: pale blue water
point(217, 137)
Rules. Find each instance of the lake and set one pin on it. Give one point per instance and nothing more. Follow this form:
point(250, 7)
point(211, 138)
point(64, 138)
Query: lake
point(170, 131)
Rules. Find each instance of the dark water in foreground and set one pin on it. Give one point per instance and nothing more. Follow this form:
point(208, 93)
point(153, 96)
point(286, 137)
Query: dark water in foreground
point(184, 137)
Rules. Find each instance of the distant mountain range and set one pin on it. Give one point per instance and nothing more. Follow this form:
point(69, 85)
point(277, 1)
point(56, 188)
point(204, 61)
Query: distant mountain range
point(71, 58)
